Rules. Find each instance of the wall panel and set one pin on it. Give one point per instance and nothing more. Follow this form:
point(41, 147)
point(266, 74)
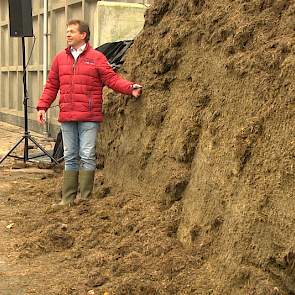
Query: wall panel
point(13, 93)
point(4, 89)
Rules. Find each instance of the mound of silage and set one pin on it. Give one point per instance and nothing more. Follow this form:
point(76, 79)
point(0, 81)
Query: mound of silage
point(215, 130)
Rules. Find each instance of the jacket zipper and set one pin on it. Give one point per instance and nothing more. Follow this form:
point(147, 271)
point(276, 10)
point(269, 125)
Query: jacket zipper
point(74, 73)
point(90, 103)
point(74, 65)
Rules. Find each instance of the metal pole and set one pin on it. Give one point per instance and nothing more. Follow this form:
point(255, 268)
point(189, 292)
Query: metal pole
point(26, 152)
point(45, 57)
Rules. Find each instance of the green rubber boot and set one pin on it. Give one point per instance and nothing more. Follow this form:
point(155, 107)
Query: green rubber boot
point(69, 189)
point(86, 181)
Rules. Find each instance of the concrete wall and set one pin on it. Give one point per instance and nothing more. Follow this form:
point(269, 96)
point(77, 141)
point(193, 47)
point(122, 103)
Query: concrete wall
point(108, 21)
point(115, 21)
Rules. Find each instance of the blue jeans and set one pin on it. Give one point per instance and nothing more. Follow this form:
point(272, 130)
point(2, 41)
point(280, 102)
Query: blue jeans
point(79, 140)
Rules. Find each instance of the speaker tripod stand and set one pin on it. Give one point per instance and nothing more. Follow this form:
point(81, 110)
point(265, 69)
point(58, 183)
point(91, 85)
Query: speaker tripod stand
point(26, 136)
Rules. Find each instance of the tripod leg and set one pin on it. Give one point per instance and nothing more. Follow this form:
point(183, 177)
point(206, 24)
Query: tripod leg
point(26, 150)
point(13, 148)
point(43, 150)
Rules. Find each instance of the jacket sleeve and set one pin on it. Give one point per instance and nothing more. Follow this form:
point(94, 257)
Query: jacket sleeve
point(112, 79)
point(51, 87)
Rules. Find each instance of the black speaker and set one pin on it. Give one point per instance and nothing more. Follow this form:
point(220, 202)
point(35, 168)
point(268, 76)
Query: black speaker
point(20, 18)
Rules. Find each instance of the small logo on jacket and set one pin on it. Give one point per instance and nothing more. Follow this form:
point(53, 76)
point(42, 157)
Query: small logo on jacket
point(89, 61)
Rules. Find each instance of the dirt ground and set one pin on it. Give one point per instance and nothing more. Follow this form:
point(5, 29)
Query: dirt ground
point(119, 243)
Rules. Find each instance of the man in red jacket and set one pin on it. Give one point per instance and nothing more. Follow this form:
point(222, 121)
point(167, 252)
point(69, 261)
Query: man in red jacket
point(79, 72)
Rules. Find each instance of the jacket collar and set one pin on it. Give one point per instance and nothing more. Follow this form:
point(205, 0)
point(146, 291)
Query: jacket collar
point(68, 49)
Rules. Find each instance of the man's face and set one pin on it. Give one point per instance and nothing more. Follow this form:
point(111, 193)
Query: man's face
point(74, 37)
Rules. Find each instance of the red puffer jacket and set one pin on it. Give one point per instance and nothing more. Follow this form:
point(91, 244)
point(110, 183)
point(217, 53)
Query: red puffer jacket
point(80, 84)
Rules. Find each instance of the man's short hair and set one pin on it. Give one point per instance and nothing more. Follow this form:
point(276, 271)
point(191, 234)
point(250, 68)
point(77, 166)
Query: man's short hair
point(83, 27)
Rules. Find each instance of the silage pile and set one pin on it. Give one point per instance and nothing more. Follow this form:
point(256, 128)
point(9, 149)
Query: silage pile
point(215, 131)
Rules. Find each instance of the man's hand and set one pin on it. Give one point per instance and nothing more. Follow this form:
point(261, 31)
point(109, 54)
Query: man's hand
point(137, 90)
point(41, 118)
